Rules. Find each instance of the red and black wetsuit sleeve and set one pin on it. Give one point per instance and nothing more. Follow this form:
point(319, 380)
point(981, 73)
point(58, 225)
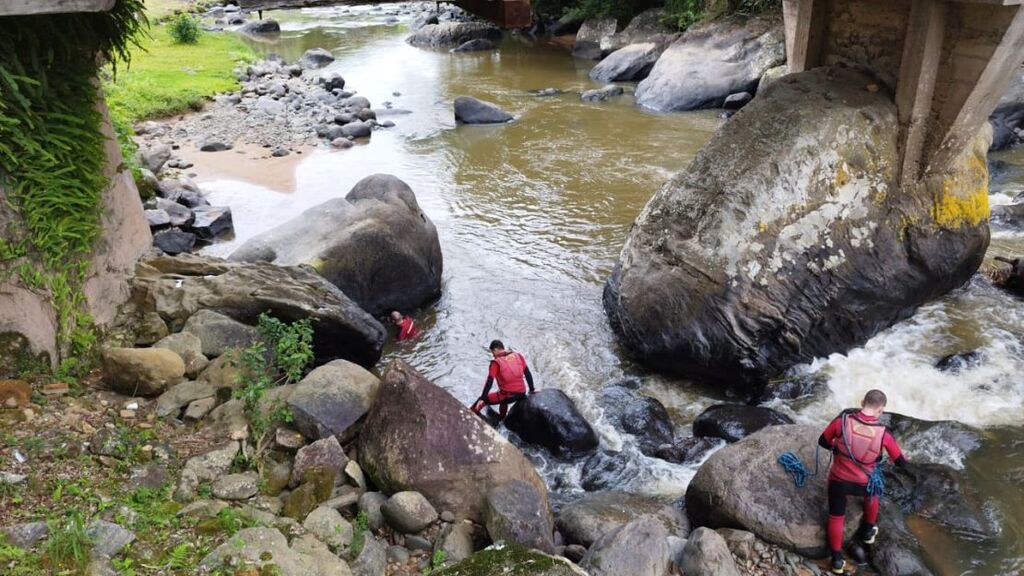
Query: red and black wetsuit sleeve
point(529, 376)
point(893, 449)
point(827, 440)
point(492, 373)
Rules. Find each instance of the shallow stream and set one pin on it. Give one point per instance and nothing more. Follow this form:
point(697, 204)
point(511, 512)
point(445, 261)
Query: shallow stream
point(532, 216)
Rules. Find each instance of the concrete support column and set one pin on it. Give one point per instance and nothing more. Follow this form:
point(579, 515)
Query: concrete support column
point(26, 7)
point(922, 52)
point(806, 26)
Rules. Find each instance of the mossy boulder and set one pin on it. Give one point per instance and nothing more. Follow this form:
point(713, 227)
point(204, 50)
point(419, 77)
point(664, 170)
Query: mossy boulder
point(17, 356)
point(790, 237)
point(512, 560)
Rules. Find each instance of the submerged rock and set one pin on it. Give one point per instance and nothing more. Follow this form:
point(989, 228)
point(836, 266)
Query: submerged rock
point(732, 422)
point(472, 111)
point(550, 419)
point(804, 249)
point(602, 94)
point(639, 415)
point(425, 440)
point(260, 27)
point(447, 34)
point(475, 45)
point(711, 61)
point(376, 244)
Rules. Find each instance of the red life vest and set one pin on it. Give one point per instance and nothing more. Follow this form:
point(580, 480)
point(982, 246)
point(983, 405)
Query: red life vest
point(511, 370)
point(861, 441)
point(407, 330)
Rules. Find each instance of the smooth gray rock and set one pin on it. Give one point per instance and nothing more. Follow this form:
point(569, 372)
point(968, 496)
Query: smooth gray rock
point(590, 36)
point(141, 371)
point(1008, 117)
point(356, 129)
point(260, 27)
point(330, 400)
point(706, 554)
point(449, 34)
point(181, 395)
point(219, 333)
point(408, 512)
point(258, 547)
point(157, 219)
point(329, 527)
point(517, 514)
point(473, 111)
point(154, 157)
point(370, 504)
point(211, 222)
point(639, 548)
point(174, 241)
point(372, 559)
point(737, 100)
point(190, 348)
point(602, 94)
point(550, 419)
point(628, 64)
point(711, 61)
point(597, 513)
point(732, 422)
point(236, 486)
point(376, 245)
point(456, 542)
point(316, 58)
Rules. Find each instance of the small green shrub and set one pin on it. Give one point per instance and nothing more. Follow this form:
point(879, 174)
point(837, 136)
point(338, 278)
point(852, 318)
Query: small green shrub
point(68, 543)
point(184, 29)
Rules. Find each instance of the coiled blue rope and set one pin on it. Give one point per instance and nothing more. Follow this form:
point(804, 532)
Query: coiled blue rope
point(876, 482)
point(792, 464)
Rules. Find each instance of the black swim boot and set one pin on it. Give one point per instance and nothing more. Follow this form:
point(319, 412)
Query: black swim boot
point(838, 563)
point(868, 533)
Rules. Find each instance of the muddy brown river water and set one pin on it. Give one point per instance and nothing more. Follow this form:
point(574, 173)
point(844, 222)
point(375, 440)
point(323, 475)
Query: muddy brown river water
point(531, 217)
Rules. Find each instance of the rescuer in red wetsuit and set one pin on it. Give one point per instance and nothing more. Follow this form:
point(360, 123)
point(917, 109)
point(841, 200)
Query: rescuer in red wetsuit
point(857, 440)
point(406, 326)
point(513, 375)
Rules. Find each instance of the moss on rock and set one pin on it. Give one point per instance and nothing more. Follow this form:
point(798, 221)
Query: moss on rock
point(511, 560)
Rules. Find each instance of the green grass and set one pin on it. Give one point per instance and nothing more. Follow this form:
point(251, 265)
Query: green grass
point(167, 78)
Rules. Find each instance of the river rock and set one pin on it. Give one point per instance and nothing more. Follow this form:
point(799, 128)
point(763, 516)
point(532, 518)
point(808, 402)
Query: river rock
point(939, 442)
point(1008, 216)
point(108, 539)
point(190, 348)
point(423, 439)
point(330, 400)
point(731, 422)
point(370, 504)
point(316, 58)
point(141, 371)
point(332, 81)
point(157, 219)
point(897, 550)
point(771, 76)
point(322, 453)
point(550, 419)
point(267, 26)
point(328, 526)
point(743, 486)
point(178, 287)
point(472, 111)
point(504, 559)
point(639, 415)
point(647, 26)
point(455, 541)
point(590, 35)
point(940, 494)
point(372, 559)
point(711, 61)
point(728, 238)
point(956, 362)
point(376, 245)
point(450, 34)
point(628, 64)
point(687, 450)
point(607, 470)
point(475, 45)
point(219, 333)
point(357, 129)
point(211, 222)
point(422, 19)
point(154, 157)
point(587, 519)
point(24, 535)
point(180, 395)
point(408, 512)
point(706, 554)
point(737, 100)
point(257, 547)
point(602, 94)
point(517, 514)
point(639, 548)
point(236, 486)
point(1008, 117)
point(174, 241)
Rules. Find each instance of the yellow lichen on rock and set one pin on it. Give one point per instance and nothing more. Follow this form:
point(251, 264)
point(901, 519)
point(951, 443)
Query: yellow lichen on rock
point(964, 196)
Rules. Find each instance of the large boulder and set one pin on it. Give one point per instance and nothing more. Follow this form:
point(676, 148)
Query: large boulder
point(941, 495)
point(375, 244)
point(418, 437)
point(330, 400)
point(706, 554)
point(647, 26)
point(505, 559)
point(141, 371)
point(748, 263)
point(732, 422)
point(550, 419)
point(451, 34)
point(470, 110)
point(590, 36)
point(629, 63)
point(640, 548)
point(219, 333)
point(639, 415)
point(517, 514)
point(711, 61)
point(595, 514)
point(178, 287)
point(743, 485)
point(1008, 117)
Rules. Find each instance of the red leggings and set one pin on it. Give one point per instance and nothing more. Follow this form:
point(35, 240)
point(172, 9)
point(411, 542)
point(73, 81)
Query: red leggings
point(838, 492)
point(499, 397)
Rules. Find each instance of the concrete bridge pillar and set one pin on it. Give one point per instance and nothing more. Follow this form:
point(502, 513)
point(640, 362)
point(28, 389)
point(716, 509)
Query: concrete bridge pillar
point(947, 62)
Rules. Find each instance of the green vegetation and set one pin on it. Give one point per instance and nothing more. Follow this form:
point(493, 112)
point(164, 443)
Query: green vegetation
point(678, 13)
point(279, 357)
point(52, 156)
point(184, 29)
point(68, 544)
point(167, 78)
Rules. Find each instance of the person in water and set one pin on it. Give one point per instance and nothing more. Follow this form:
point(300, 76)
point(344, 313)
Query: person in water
point(406, 326)
point(513, 375)
point(857, 439)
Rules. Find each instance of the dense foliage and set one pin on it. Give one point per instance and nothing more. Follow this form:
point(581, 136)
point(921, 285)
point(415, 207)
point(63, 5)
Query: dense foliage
point(184, 29)
point(678, 13)
point(52, 155)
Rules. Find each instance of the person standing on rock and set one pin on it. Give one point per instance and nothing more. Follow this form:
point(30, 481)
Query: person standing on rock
point(513, 375)
point(857, 439)
point(406, 326)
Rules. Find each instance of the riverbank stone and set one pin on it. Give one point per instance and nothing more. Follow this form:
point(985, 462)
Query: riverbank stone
point(517, 514)
point(408, 512)
point(628, 64)
point(450, 34)
point(550, 419)
point(141, 371)
point(316, 58)
point(425, 440)
point(634, 413)
point(728, 238)
point(732, 422)
point(602, 94)
point(706, 554)
point(470, 110)
point(743, 486)
point(331, 399)
point(219, 333)
point(174, 241)
point(267, 26)
point(376, 245)
point(595, 514)
point(639, 548)
point(502, 559)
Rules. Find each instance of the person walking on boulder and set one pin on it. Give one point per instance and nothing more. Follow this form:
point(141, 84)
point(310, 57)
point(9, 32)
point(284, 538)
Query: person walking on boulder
point(513, 375)
point(857, 439)
point(406, 326)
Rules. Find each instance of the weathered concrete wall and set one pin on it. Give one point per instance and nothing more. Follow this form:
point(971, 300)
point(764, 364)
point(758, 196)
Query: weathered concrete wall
point(868, 34)
point(125, 236)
